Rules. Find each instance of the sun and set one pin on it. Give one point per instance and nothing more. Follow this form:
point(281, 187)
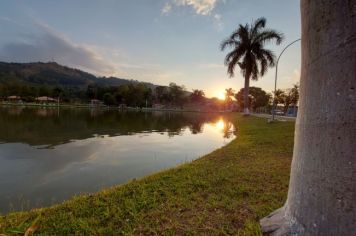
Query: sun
point(220, 95)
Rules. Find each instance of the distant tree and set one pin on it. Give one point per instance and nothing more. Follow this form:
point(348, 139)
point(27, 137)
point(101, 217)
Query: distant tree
point(177, 93)
point(159, 93)
point(215, 104)
point(108, 99)
point(2, 91)
point(248, 51)
point(135, 95)
point(279, 96)
point(148, 96)
point(13, 88)
point(44, 90)
point(291, 96)
point(197, 95)
point(121, 94)
point(287, 97)
point(56, 92)
point(259, 97)
point(229, 94)
point(92, 91)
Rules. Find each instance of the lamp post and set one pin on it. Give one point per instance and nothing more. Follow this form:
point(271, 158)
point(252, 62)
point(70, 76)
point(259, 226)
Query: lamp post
point(275, 80)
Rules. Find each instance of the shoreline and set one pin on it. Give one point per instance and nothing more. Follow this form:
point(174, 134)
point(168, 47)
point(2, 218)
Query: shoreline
point(103, 107)
point(226, 191)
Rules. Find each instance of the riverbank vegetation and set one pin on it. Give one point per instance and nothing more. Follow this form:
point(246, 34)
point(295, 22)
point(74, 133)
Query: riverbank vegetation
point(50, 83)
point(224, 192)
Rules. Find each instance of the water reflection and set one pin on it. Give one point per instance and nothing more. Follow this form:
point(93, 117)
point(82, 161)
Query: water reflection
point(52, 127)
point(48, 155)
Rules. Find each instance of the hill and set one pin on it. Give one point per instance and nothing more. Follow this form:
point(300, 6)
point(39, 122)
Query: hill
point(27, 81)
point(53, 74)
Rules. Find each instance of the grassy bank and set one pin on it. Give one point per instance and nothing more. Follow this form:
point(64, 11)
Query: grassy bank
point(225, 192)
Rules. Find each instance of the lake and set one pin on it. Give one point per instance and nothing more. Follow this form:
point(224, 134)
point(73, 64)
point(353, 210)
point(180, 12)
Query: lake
point(48, 155)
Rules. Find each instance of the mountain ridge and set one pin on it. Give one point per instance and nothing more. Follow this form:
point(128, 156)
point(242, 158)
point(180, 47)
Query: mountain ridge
point(54, 74)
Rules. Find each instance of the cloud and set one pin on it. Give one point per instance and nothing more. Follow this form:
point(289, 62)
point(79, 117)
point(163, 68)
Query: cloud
point(51, 45)
point(296, 75)
point(218, 21)
point(201, 7)
point(167, 8)
point(210, 65)
point(11, 21)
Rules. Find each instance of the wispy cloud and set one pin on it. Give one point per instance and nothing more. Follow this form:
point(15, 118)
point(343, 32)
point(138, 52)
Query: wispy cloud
point(166, 8)
point(51, 45)
point(201, 7)
point(296, 75)
point(210, 66)
point(291, 76)
point(11, 21)
point(218, 21)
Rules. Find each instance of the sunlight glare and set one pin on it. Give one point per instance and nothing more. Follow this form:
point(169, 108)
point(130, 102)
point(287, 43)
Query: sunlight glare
point(220, 95)
point(220, 124)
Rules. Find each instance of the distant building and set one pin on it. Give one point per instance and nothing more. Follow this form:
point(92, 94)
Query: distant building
point(292, 111)
point(158, 106)
point(14, 98)
point(122, 106)
point(45, 99)
point(95, 102)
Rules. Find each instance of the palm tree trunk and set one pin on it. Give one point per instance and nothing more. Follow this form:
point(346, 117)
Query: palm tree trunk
point(246, 92)
point(322, 189)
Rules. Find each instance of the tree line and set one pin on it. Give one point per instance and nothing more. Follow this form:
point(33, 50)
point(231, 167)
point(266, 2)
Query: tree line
point(258, 98)
point(141, 95)
point(132, 94)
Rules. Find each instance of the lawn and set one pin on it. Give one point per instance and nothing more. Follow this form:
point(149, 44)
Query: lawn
point(225, 192)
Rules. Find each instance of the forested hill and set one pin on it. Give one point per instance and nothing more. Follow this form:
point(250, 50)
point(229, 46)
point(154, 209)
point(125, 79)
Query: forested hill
point(53, 74)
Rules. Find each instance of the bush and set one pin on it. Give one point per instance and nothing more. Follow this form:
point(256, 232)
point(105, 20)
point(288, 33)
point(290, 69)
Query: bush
point(109, 99)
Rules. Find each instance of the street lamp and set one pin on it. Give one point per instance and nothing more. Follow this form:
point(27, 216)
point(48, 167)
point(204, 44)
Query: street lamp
point(275, 80)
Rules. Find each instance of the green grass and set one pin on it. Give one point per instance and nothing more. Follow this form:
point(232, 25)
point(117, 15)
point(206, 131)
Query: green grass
point(223, 193)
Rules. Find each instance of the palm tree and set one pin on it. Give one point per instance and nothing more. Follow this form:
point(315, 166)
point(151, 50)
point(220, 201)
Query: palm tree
point(229, 92)
point(279, 96)
point(247, 43)
point(197, 95)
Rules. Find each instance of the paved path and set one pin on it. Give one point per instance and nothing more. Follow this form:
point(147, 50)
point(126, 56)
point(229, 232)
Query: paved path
point(269, 116)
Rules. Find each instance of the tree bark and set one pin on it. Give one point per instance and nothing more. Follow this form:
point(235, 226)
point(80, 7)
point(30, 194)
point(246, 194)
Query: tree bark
point(322, 190)
point(246, 92)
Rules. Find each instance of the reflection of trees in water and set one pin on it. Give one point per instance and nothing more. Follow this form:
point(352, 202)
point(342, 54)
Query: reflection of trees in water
point(229, 130)
point(50, 126)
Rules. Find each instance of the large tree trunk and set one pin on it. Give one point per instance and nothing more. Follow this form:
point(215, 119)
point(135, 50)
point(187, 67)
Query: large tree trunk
point(246, 92)
point(322, 191)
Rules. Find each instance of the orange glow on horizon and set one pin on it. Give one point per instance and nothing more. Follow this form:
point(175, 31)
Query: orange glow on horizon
point(220, 95)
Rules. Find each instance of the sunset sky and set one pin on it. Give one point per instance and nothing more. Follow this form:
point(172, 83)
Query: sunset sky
point(158, 41)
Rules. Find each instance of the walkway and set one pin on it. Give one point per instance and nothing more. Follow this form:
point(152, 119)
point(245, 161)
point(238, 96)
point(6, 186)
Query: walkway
point(269, 116)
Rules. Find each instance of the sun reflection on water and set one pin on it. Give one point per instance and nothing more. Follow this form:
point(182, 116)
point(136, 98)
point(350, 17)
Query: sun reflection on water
point(220, 124)
point(225, 127)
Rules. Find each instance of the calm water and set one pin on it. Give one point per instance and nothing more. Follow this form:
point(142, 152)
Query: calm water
point(49, 155)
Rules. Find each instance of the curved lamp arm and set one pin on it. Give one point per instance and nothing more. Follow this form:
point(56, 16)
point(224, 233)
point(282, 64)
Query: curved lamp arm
point(275, 80)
